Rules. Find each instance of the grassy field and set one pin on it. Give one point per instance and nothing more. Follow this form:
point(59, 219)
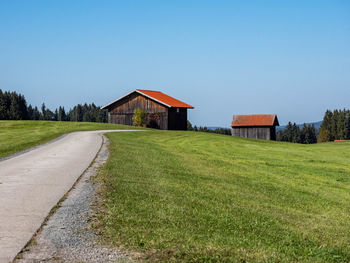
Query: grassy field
point(19, 135)
point(198, 197)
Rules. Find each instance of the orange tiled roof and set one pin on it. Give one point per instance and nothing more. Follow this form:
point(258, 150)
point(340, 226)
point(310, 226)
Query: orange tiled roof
point(255, 120)
point(156, 96)
point(164, 99)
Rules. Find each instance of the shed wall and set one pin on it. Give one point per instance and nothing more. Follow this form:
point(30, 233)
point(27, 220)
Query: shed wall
point(177, 119)
point(265, 133)
point(122, 111)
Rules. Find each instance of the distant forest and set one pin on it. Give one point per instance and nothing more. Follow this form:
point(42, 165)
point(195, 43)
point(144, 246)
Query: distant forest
point(335, 126)
point(224, 131)
point(292, 133)
point(13, 106)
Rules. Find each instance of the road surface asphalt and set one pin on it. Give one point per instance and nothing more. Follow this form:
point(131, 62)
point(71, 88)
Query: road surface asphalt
point(32, 183)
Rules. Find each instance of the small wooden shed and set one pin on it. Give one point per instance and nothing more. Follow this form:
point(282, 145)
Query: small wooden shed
point(162, 111)
point(258, 126)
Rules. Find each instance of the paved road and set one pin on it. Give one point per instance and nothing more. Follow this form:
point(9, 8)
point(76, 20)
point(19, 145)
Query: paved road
point(32, 183)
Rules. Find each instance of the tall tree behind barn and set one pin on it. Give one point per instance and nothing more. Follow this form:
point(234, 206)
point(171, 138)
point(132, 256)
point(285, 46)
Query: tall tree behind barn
point(258, 126)
point(162, 111)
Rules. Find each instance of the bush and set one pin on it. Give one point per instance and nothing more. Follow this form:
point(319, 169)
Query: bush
point(139, 118)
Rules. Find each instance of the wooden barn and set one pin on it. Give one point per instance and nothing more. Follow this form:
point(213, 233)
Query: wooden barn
point(258, 126)
point(162, 111)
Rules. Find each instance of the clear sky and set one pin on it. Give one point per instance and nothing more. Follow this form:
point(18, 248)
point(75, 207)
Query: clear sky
point(291, 58)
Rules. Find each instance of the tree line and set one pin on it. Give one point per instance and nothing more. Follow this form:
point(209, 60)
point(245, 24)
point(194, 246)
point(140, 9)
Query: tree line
point(224, 131)
point(292, 133)
point(13, 106)
point(335, 126)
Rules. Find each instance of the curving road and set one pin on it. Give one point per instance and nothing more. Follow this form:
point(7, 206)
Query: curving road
point(32, 183)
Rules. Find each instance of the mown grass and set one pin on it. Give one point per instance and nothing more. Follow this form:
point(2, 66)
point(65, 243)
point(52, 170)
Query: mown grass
point(19, 135)
point(198, 197)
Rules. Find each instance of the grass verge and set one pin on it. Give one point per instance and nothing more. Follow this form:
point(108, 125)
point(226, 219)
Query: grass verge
point(16, 136)
point(198, 197)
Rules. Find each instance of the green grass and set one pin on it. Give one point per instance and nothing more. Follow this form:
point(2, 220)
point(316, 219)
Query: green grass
point(19, 135)
point(198, 197)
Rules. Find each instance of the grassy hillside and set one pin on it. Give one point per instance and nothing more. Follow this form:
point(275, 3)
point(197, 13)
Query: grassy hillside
point(19, 135)
point(199, 197)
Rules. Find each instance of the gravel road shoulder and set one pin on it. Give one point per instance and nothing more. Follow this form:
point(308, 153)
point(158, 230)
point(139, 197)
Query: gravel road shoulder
point(66, 236)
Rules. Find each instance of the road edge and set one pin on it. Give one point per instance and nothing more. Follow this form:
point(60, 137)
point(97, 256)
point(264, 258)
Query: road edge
point(62, 199)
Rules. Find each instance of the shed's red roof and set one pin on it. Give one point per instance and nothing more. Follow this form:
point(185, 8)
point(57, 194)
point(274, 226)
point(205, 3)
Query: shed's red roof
point(164, 99)
point(158, 96)
point(255, 120)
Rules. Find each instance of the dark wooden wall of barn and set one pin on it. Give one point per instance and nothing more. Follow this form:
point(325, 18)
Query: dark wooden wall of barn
point(157, 115)
point(122, 111)
point(177, 119)
point(265, 133)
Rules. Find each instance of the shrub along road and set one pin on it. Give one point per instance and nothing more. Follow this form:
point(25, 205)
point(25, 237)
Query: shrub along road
point(33, 182)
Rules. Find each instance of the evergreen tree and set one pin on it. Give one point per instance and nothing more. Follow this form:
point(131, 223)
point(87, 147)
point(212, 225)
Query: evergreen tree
point(36, 113)
point(22, 104)
point(309, 134)
point(55, 118)
point(347, 124)
point(289, 132)
point(3, 106)
point(303, 134)
point(334, 125)
point(43, 112)
point(312, 135)
point(49, 115)
point(80, 113)
point(61, 114)
point(30, 112)
point(341, 126)
point(13, 106)
point(292, 133)
point(326, 127)
point(295, 133)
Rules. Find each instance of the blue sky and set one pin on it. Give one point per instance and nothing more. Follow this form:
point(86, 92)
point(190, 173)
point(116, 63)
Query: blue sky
point(291, 58)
